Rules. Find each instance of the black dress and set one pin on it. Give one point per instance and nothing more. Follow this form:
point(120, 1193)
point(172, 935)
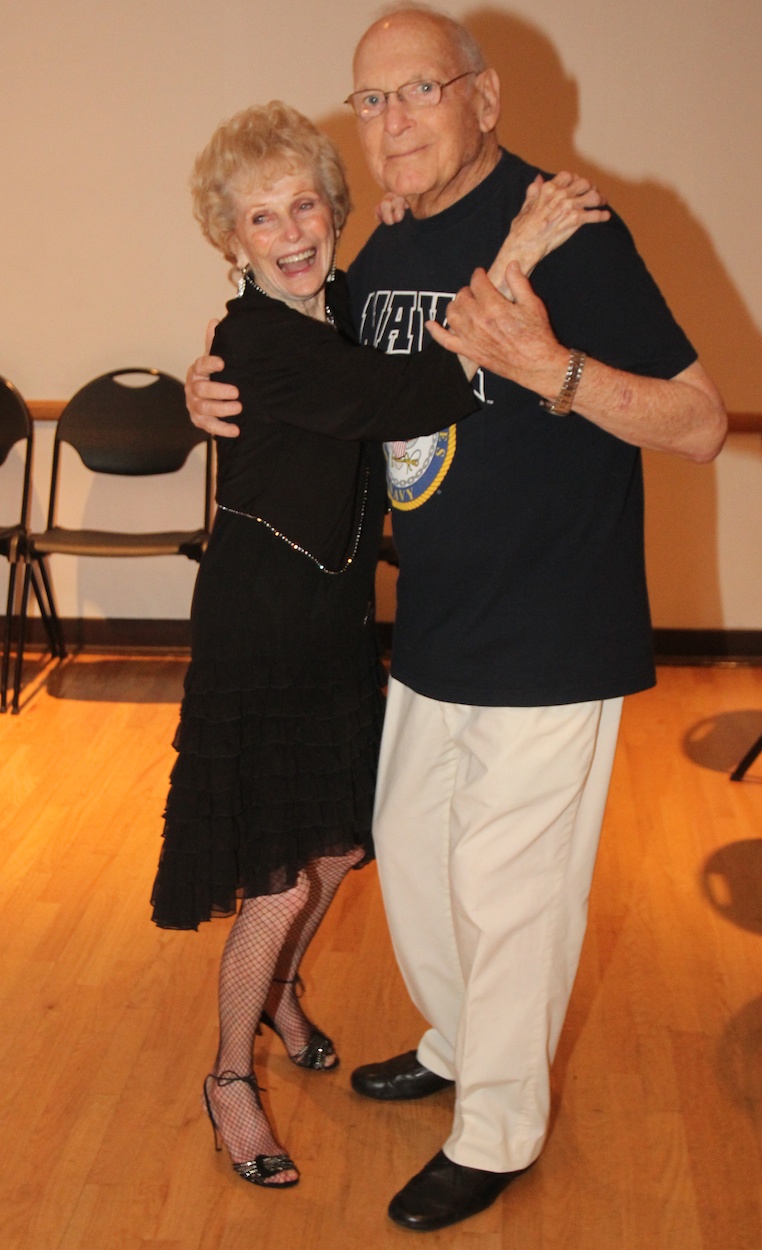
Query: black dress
point(281, 718)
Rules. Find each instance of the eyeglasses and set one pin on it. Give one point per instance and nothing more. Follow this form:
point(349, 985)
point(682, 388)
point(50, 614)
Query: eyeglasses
point(424, 93)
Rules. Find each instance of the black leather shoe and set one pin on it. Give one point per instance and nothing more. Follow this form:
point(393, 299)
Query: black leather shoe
point(399, 1078)
point(444, 1193)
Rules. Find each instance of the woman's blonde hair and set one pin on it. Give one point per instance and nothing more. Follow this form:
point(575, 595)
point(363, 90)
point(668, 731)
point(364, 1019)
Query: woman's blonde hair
point(256, 145)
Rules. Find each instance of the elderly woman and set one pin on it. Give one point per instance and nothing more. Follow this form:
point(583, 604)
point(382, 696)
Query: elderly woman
point(271, 795)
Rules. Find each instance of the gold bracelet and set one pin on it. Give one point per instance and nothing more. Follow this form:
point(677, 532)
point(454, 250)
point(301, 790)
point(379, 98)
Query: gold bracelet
point(562, 404)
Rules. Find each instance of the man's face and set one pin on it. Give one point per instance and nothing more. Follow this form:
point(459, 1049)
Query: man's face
point(432, 156)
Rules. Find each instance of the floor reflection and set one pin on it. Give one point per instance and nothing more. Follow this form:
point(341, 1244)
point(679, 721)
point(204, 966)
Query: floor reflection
point(732, 882)
point(116, 679)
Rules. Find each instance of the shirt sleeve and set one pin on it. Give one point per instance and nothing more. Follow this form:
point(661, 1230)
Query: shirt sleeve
point(601, 299)
point(307, 374)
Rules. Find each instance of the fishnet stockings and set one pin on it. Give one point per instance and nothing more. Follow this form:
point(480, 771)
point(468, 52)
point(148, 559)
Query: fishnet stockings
point(325, 876)
point(267, 939)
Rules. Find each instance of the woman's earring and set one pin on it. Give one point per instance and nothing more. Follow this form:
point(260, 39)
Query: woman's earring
point(332, 274)
point(241, 281)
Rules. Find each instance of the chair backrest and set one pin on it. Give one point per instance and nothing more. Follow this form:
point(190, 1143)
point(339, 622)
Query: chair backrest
point(15, 426)
point(137, 430)
point(133, 430)
point(15, 421)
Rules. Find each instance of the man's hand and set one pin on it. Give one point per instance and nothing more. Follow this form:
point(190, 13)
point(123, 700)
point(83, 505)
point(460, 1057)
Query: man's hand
point(211, 404)
point(510, 336)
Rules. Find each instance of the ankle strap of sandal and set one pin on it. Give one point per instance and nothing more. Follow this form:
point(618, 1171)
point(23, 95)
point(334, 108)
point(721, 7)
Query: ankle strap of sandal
point(295, 981)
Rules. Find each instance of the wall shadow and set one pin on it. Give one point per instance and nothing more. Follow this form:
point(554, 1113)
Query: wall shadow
point(342, 129)
point(539, 118)
point(682, 545)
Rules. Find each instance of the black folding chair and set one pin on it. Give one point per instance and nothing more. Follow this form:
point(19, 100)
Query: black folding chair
point(16, 427)
point(133, 431)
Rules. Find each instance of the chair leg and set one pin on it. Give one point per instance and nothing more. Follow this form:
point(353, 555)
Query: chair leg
point(55, 620)
point(21, 639)
point(739, 773)
point(45, 614)
point(12, 567)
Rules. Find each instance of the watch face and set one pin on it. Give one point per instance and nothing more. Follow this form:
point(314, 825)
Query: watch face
point(417, 468)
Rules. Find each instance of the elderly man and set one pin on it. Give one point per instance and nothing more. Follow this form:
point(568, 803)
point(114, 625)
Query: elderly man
point(522, 613)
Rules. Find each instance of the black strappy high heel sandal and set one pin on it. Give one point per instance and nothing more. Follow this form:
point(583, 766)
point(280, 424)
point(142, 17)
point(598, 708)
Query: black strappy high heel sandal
point(318, 1049)
point(262, 1168)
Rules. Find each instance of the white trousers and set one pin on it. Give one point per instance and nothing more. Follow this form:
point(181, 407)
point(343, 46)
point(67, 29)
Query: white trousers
point(487, 826)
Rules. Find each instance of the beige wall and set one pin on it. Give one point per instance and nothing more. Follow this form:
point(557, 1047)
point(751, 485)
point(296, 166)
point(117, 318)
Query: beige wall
point(105, 106)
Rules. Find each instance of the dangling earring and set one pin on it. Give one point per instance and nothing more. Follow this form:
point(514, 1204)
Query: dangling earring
point(241, 281)
point(332, 274)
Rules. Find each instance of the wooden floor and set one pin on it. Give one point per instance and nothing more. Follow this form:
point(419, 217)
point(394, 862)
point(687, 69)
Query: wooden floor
point(107, 1026)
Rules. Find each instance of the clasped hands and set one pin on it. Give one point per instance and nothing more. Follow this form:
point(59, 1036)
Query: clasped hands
point(498, 320)
point(509, 334)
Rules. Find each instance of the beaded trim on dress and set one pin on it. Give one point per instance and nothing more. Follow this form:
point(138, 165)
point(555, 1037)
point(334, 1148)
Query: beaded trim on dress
point(303, 550)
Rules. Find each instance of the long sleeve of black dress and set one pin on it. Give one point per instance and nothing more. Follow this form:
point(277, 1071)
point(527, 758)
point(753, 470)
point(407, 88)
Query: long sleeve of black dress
point(311, 396)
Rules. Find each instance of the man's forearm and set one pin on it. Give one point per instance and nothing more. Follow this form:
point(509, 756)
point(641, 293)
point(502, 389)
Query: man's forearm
point(684, 414)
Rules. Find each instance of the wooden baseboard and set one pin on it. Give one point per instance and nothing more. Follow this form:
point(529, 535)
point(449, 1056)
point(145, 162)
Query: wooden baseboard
point(708, 646)
point(117, 634)
point(672, 646)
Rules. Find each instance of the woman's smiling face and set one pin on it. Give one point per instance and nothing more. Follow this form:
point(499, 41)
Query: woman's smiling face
point(284, 229)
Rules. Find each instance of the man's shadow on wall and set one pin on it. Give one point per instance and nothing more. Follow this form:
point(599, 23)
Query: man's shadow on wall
point(540, 115)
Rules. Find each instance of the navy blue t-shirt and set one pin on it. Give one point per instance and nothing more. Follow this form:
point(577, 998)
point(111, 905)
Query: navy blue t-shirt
point(520, 534)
